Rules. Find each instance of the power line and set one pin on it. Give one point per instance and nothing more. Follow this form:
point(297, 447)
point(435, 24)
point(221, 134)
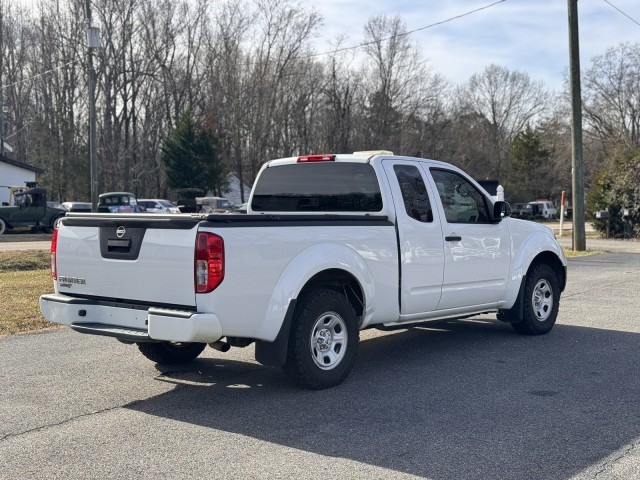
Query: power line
point(629, 17)
point(39, 75)
point(324, 53)
point(409, 32)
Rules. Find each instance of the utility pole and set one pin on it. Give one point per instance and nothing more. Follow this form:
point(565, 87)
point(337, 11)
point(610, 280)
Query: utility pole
point(93, 42)
point(1, 125)
point(577, 171)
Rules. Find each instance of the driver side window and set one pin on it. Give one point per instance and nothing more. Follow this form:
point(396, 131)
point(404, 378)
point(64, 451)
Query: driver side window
point(461, 200)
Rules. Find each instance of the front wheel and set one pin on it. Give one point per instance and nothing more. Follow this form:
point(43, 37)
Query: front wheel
point(323, 342)
point(171, 353)
point(3, 226)
point(541, 301)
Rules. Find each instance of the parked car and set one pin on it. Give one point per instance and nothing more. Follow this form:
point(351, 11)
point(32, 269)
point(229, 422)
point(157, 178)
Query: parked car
point(157, 205)
point(118, 202)
point(77, 206)
point(520, 210)
point(242, 208)
point(218, 204)
point(189, 205)
point(568, 212)
point(545, 209)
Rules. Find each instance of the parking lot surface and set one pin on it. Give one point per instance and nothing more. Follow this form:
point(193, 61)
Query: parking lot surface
point(466, 399)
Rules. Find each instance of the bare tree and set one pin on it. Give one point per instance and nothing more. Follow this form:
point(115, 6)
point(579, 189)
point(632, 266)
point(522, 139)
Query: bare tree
point(55, 136)
point(612, 96)
point(341, 89)
point(508, 100)
point(402, 91)
point(227, 84)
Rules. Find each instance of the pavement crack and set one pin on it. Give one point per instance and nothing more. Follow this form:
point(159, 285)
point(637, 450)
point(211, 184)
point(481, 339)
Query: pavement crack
point(612, 461)
point(67, 420)
point(178, 386)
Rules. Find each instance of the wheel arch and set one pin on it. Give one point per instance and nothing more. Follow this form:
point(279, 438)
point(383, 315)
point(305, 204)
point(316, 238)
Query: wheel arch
point(551, 259)
point(515, 311)
point(532, 247)
point(342, 282)
point(333, 266)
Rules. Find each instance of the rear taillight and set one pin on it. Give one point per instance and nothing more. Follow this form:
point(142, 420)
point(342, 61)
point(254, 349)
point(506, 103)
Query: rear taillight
point(316, 158)
point(209, 262)
point(54, 248)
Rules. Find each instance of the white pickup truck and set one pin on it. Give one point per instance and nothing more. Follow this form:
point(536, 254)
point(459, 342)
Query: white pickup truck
point(331, 245)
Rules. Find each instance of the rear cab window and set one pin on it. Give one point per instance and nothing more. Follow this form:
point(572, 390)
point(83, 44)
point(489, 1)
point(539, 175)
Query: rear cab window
point(318, 187)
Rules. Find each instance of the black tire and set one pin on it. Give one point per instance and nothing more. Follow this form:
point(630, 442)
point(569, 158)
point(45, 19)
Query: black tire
point(541, 301)
point(323, 343)
point(52, 225)
point(3, 226)
point(170, 353)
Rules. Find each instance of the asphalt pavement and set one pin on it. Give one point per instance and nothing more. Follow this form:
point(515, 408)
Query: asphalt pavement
point(25, 241)
point(466, 399)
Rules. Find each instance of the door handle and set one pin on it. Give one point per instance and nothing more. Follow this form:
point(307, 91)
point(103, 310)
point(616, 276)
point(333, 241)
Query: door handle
point(452, 239)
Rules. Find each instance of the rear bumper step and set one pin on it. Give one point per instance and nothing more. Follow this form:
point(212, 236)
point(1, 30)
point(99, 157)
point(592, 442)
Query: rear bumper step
point(131, 324)
point(121, 333)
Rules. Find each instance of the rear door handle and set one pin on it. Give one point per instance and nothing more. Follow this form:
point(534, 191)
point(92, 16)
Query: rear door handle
point(452, 239)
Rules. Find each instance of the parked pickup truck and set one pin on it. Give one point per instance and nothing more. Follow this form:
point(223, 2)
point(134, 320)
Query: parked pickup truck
point(30, 210)
point(331, 245)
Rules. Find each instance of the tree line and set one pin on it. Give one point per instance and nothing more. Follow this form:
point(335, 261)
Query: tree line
point(247, 72)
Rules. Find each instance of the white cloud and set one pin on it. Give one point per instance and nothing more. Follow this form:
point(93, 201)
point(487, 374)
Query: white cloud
point(525, 35)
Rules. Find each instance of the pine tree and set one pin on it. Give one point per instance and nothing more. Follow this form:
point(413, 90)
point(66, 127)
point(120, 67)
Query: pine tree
point(529, 167)
point(190, 158)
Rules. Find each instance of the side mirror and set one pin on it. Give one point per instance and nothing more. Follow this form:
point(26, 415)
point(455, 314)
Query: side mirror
point(501, 210)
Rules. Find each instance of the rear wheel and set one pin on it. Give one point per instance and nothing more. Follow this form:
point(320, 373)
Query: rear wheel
point(323, 342)
point(540, 302)
point(53, 223)
point(3, 226)
point(171, 352)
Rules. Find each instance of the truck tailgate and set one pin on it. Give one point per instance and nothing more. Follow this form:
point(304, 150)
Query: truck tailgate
point(123, 257)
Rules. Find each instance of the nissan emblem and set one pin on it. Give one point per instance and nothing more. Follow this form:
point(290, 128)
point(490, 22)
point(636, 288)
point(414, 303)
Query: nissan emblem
point(120, 232)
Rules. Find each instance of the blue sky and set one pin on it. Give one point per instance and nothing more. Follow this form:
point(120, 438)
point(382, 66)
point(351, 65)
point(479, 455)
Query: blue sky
point(525, 35)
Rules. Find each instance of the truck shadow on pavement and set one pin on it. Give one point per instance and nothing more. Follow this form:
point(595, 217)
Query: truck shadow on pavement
point(463, 399)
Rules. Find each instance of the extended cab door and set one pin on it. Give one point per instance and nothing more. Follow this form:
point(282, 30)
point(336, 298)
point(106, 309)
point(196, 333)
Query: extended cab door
point(421, 245)
point(477, 253)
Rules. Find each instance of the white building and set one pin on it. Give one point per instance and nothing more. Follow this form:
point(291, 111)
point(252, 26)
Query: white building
point(14, 173)
point(232, 192)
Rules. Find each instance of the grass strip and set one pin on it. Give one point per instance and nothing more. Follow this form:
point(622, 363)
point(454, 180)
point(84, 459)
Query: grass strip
point(585, 253)
point(19, 305)
point(21, 260)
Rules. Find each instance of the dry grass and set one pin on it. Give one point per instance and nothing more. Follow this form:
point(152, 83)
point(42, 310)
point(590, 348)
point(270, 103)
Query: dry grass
point(585, 253)
point(20, 260)
point(24, 276)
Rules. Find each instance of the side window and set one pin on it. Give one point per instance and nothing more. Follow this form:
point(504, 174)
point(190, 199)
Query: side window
point(414, 193)
point(461, 201)
point(37, 200)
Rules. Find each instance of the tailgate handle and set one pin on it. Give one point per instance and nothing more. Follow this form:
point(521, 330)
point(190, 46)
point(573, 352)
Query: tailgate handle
point(118, 245)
